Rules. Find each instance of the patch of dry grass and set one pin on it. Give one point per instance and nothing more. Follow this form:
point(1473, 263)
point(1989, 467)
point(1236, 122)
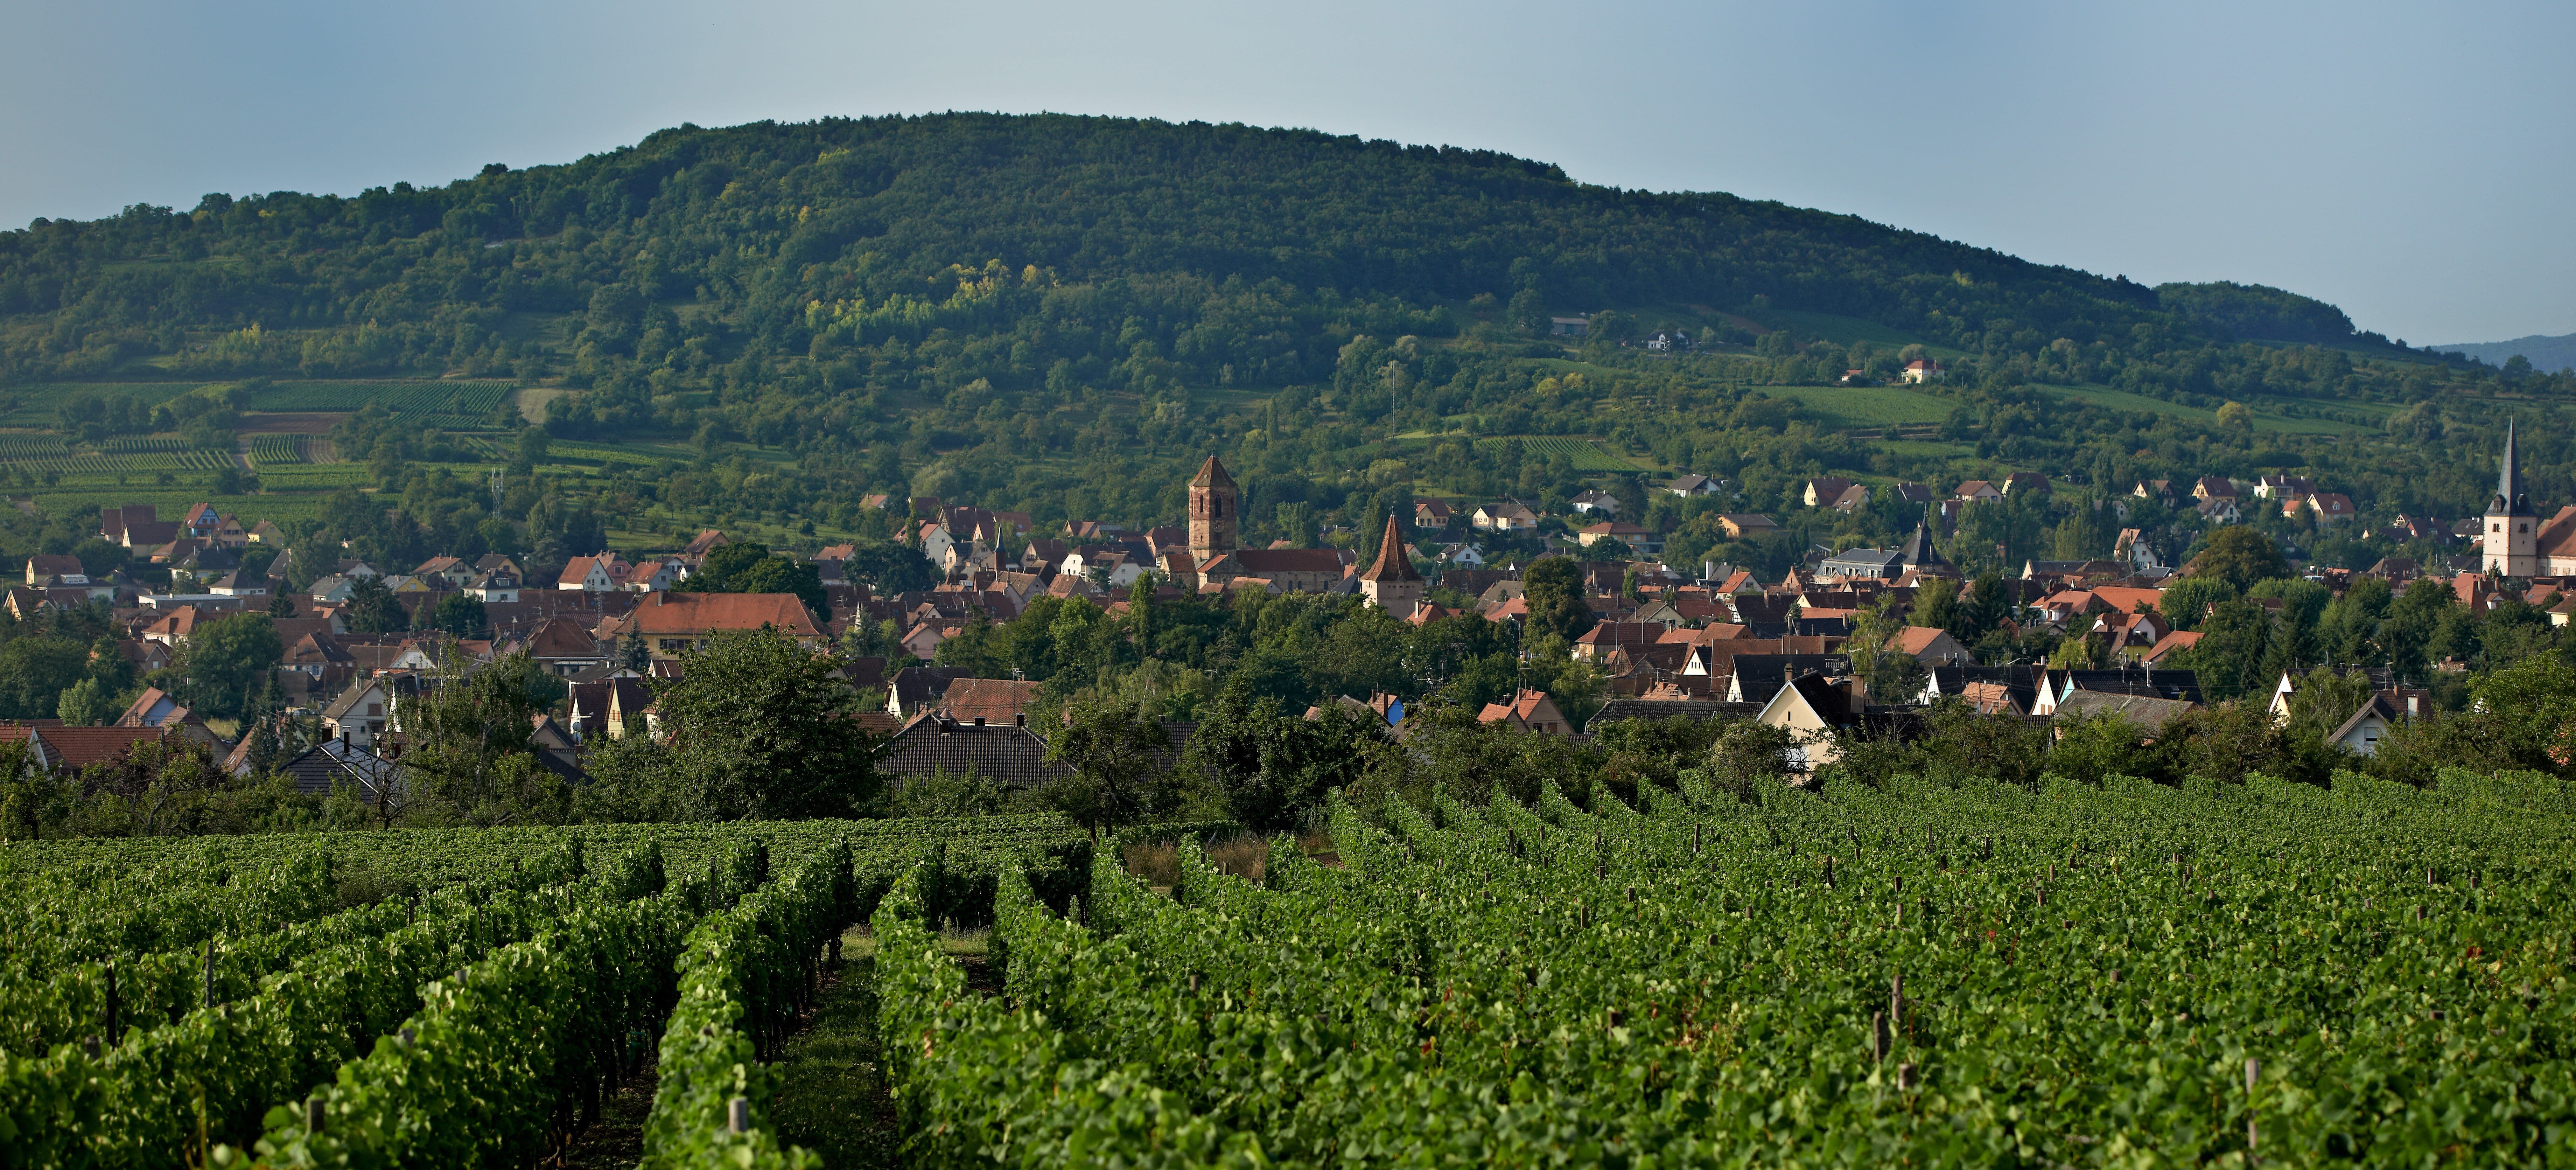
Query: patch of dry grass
point(1158, 863)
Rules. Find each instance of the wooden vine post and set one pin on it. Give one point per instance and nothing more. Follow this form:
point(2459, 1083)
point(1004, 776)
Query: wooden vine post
point(2253, 1071)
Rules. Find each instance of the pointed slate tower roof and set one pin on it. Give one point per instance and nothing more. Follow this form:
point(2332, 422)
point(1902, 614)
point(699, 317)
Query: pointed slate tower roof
point(1212, 474)
point(1392, 564)
point(2511, 499)
point(1919, 552)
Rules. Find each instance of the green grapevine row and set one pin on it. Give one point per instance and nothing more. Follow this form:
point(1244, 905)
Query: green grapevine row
point(499, 980)
point(434, 857)
point(93, 912)
point(745, 974)
point(155, 988)
point(1983, 975)
point(978, 1083)
point(504, 1057)
point(210, 1076)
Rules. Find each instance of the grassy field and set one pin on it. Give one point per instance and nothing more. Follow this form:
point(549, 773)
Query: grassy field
point(1585, 454)
point(33, 406)
point(172, 503)
point(1868, 406)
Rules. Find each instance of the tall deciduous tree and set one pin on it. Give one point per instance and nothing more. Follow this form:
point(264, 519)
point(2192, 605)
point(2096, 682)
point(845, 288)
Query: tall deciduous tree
point(1114, 750)
point(458, 616)
point(372, 609)
point(757, 727)
point(227, 661)
point(87, 703)
point(1553, 587)
point(2241, 556)
point(473, 758)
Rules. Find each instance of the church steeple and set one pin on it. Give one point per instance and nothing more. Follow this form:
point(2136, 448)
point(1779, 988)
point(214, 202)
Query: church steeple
point(2512, 548)
point(2511, 499)
point(1919, 553)
point(1214, 501)
point(1392, 581)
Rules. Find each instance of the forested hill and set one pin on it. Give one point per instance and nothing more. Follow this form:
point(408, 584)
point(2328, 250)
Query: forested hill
point(766, 218)
point(756, 327)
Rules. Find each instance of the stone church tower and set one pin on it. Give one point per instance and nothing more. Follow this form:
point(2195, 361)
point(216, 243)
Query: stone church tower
point(1215, 512)
point(2512, 547)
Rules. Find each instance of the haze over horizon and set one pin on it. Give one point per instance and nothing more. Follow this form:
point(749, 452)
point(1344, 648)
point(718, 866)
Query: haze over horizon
point(2407, 166)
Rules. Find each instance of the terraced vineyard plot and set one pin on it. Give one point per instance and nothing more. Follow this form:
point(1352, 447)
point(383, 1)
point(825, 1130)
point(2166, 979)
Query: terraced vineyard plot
point(1978, 976)
point(456, 398)
point(33, 447)
point(1584, 454)
point(267, 450)
point(311, 476)
point(598, 454)
point(105, 468)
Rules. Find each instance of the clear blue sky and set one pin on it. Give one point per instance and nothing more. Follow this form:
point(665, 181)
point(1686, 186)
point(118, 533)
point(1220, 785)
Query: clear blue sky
point(2410, 163)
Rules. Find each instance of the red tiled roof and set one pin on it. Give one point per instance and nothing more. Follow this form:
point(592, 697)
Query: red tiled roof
point(695, 613)
point(995, 700)
point(1264, 562)
point(1393, 562)
point(75, 748)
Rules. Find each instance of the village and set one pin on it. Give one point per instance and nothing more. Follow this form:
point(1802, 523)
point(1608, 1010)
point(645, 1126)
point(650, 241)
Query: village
point(1798, 650)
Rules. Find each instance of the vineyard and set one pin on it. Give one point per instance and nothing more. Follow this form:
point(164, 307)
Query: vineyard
point(1945, 976)
point(127, 458)
point(2127, 975)
point(443, 997)
point(308, 476)
point(598, 454)
point(1584, 454)
point(33, 447)
point(461, 399)
point(270, 450)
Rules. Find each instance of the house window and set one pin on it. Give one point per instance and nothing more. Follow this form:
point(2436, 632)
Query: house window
point(375, 710)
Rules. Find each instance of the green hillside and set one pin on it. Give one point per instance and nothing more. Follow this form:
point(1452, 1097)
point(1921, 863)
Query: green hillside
point(756, 326)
